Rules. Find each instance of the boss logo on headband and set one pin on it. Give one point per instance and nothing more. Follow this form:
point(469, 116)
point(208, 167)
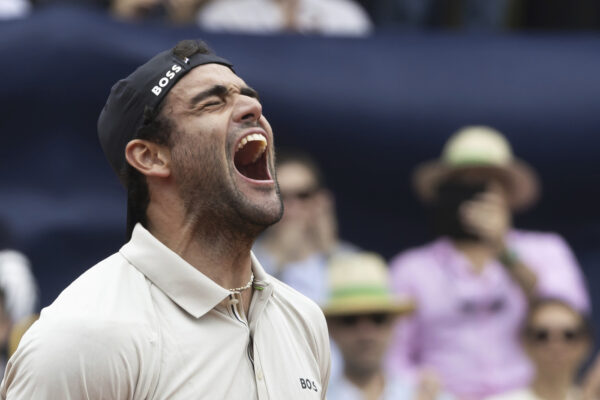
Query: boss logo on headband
point(164, 81)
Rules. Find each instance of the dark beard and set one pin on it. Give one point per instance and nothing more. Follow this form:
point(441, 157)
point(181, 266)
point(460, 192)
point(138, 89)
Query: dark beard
point(220, 209)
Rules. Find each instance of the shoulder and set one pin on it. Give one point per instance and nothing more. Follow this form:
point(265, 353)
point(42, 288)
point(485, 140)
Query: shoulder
point(111, 290)
point(110, 302)
point(536, 239)
point(297, 306)
point(557, 270)
point(110, 299)
point(527, 236)
point(543, 250)
point(414, 258)
point(78, 358)
point(95, 338)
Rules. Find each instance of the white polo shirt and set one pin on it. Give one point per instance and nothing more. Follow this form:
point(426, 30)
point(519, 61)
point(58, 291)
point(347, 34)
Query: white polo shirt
point(145, 324)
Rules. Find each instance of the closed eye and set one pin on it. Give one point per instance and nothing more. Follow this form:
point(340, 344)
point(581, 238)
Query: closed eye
point(213, 103)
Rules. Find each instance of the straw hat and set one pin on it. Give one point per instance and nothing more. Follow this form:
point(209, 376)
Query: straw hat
point(481, 148)
point(359, 284)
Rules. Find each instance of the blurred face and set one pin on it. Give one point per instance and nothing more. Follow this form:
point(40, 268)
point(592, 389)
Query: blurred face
point(363, 340)
point(472, 205)
point(222, 156)
point(555, 340)
point(299, 190)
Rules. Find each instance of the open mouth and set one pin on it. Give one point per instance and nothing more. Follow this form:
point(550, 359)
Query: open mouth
point(250, 157)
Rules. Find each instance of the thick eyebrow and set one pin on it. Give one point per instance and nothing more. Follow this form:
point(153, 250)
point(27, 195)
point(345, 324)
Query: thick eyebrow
point(248, 91)
point(221, 91)
point(217, 90)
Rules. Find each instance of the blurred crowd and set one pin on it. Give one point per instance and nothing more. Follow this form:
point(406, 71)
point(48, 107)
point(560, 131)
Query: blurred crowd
point(340, 17)
point(484, 311)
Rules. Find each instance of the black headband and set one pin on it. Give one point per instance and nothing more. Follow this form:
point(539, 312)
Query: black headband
point(145, 88)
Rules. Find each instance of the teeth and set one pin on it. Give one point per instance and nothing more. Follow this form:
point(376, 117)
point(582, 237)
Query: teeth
point(255, 137)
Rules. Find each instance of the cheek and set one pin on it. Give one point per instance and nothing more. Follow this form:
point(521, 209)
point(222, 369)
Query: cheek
point(344, 340)
point(580, 351)
point(538, 352)
point(387, 334)
point(183, 155)
point(196, 146)
point(294, 209)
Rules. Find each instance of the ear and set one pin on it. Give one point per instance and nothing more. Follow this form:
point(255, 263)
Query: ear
point(149, 158)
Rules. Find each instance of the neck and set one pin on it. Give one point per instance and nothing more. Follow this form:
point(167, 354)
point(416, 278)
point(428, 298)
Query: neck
point(478, 253)
point(552, 386)
point(220, 252)
point(371, 384)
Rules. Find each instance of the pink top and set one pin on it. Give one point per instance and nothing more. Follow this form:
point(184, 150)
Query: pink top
point(466, 325)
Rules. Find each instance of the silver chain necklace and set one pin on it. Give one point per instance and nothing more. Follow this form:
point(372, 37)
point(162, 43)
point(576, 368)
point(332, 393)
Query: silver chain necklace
point(246, 286)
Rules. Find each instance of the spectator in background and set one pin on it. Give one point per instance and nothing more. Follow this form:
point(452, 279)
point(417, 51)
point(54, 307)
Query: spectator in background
point(472, 284)
point(361, 311)
point(175, 11)
point(5, 328)
point(10, 9)
point(172, 11)
point(18, 290)
point(297, 248)
point(558, 340)
point(328, 17)
point(16, 279)
point(556, 15)
point(18, 284)
point(474, 15)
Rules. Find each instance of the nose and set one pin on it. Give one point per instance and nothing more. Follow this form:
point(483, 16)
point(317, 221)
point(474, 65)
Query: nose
point(248, 109)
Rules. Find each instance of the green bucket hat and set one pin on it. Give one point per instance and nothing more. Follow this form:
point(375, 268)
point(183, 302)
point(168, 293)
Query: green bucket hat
point(359, 283)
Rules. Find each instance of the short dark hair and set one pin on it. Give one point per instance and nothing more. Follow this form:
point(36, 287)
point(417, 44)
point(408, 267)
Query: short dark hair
point(157, 128)
point(443, 212)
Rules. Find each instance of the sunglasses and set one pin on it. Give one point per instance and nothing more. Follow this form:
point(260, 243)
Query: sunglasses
point(544, 335)
point(376, 319)
point(300, 194)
